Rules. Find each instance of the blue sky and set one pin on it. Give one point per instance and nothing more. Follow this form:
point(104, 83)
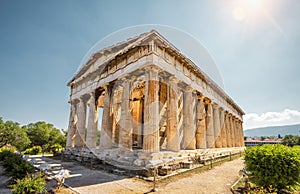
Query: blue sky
point(255, 45)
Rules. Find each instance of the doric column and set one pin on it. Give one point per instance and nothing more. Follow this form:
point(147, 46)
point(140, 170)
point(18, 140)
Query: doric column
point(116, 110)
point(228, 131)
point(210, 135)
point(237, 128)
point(189, 128)
point(72, 125)
point(106, 128)
point(236, 133)
point(217, 128)
point(242, 133)
point(232, 129)
point(151, 111)
point(239, 131)
point(201, 125)
point(80, 127)
point(173, 142)
point(91, 136)
point(223, 129)
point(140, 123)
point(125, 138)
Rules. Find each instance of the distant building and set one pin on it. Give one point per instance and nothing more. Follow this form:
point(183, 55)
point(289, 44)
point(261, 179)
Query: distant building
point(255, 142)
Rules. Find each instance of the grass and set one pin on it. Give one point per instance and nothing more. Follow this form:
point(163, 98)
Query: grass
point(256, 189)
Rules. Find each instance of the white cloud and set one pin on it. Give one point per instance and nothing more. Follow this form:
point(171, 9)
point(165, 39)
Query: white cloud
point(286, 117)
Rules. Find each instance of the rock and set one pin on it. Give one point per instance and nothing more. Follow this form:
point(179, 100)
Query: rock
point(154, 163)
point(139, 162)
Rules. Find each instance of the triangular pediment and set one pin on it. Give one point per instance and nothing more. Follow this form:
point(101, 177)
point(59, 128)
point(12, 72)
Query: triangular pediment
point(100, 59)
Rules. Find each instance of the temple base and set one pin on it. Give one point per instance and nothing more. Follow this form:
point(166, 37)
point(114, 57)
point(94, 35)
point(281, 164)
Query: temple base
point(138, 162)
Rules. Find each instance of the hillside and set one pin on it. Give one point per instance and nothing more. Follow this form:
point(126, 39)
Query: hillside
point(273, 131)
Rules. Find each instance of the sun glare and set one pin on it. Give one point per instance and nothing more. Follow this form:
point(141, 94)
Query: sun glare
point(254, 13)
point(246, 9)
point(253, 4)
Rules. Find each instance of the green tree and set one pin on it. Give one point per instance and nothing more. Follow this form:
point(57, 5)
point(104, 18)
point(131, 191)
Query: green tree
point(262, 138)
point(45, 135)
point(291, 140)
point(11, 133)
point(38, 133)
point(56, 137)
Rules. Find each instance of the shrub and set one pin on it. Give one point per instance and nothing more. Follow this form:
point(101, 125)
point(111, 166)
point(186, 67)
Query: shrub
point(6, 152)
point(273, 165)
point(56, 148)
point(34, 150)
point(16, 167)
point(30, 184)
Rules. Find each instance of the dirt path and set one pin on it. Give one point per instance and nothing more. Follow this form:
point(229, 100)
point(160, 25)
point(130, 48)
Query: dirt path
point(217, 180)
point(90, 181)
point(3, 182)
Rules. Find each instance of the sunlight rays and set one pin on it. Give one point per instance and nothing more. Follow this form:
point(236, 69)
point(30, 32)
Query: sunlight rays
point(254, 13)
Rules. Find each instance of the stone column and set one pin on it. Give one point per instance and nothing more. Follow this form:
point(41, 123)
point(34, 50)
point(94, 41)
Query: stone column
point(223, 129)
point(140, 123)
point(233, 141)
point(125, 138)
point(116, 113)
point(72, 125)
point(239, 133)
point(151, 111)
point(201, 125)
point(92, 129)
point(80, 132)
point(236, 134)
point(189, 128)
point(173, 143)
point(217, 128)
point(106, 141)
point(228, 131)
point(242, 134)
point(210, 135)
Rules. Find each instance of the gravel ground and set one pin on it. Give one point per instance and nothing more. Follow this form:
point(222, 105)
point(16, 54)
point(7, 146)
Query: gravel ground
point(90, 181)
point(217, 180)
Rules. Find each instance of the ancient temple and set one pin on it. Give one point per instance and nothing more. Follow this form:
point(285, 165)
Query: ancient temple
point(155, 103)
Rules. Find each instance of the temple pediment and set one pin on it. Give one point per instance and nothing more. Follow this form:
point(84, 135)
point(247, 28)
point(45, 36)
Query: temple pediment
point(102, 58)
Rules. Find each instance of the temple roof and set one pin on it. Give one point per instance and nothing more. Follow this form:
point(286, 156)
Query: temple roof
point(121, 48)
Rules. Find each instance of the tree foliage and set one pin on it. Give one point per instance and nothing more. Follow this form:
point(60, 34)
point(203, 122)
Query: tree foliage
point(44, 134)
point(33, 150)
point(291, 140)
point(40, 134)
point(11, 133)
point(274, 165)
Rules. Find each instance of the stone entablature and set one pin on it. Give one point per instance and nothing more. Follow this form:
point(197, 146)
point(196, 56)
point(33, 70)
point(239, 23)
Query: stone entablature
point(153, 99)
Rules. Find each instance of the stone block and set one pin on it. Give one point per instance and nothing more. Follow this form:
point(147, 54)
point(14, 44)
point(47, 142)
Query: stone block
point(165, 170)
point(156, 156)
point(154, 163)
point(139, 162)
point(169, 154)
point(144, 155)
point(187, 165)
